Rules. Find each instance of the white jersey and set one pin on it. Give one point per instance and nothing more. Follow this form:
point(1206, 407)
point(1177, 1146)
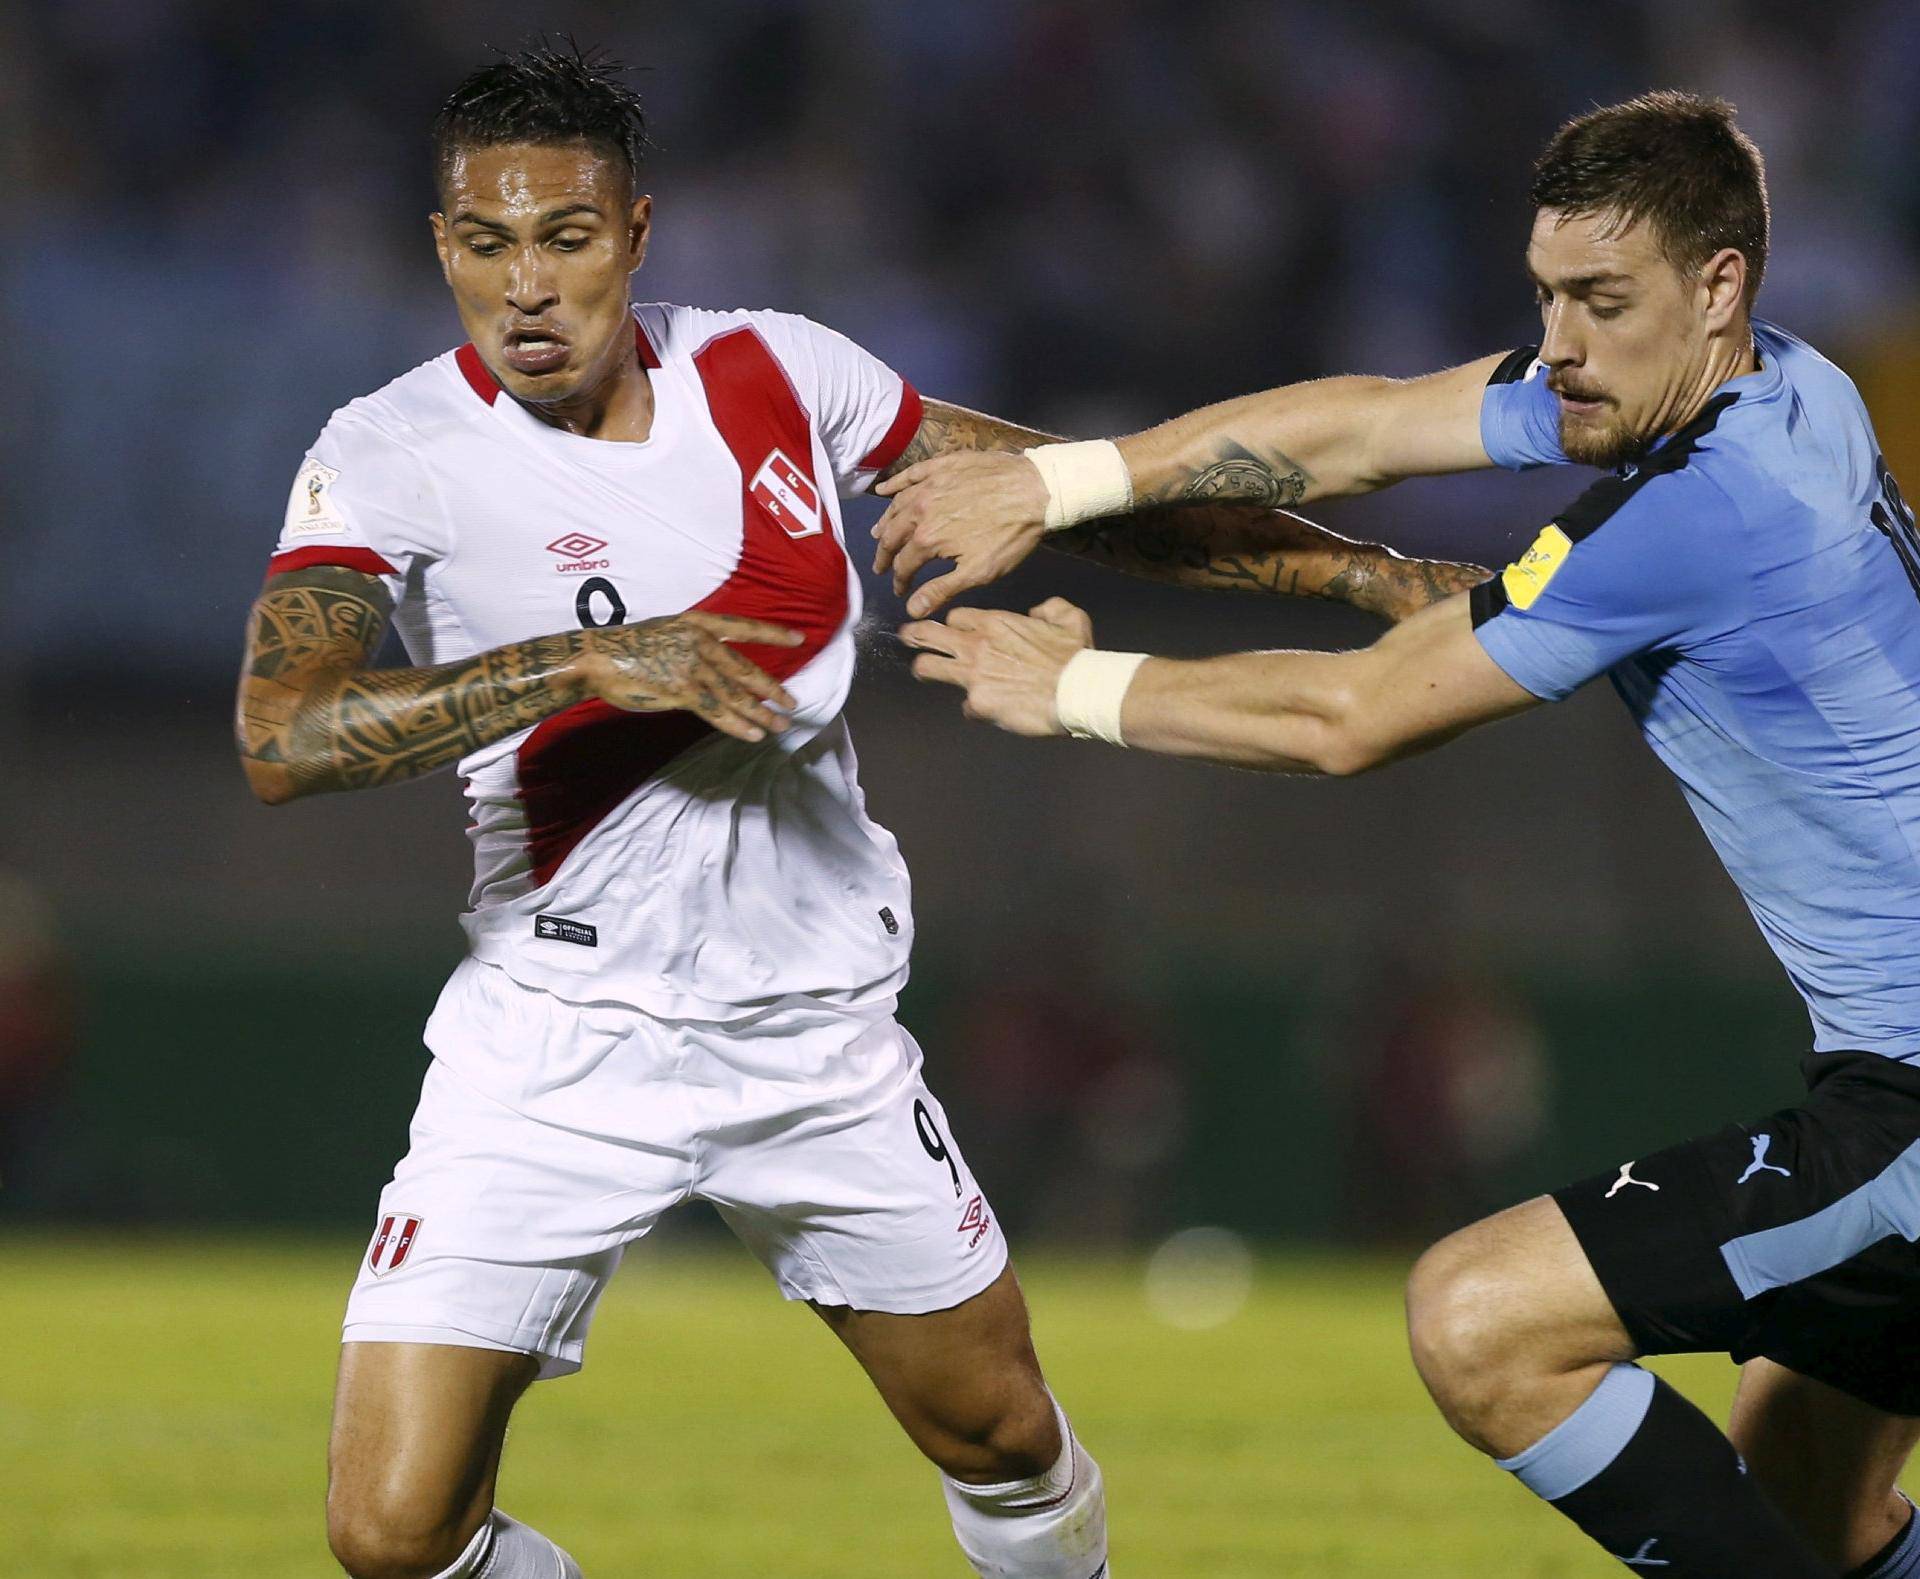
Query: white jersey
point(644, 858)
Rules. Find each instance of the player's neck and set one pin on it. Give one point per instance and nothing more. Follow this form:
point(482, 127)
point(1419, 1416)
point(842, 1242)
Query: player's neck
point(1728, 359)
point(618, 407)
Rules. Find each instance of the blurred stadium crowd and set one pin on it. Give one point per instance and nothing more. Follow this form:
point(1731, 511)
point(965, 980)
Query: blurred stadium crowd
point(1082, 212)
point(1079, 213)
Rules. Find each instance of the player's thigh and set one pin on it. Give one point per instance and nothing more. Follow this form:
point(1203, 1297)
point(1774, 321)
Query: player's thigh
point(960, 1379)
point(1830, 1460)
point(858, 1193)
point(1513, 1291)
point(415, 1448)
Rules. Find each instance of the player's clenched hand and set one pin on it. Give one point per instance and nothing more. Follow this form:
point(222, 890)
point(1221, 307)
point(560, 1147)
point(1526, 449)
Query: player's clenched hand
point(983, 510)
point(1007, 664)
point(684, 662)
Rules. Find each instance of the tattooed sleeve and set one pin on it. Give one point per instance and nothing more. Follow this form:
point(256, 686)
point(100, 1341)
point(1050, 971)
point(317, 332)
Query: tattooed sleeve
point(1223, 531)
point(312, 717)
point(1241, 548)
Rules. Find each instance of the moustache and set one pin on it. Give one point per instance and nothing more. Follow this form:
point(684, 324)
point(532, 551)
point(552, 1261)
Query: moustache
point(1568, 391)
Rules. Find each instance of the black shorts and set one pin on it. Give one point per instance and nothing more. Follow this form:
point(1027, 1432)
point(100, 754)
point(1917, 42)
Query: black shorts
point(1792, 1238)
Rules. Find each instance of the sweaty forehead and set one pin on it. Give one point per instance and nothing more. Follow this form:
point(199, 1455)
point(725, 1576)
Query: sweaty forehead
point(1584, 247)
point(530, 178)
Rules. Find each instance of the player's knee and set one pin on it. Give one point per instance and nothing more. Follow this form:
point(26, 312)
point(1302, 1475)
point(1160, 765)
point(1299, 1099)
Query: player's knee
point(375, 1538)
point(1015, 1437)
point(1462, 1343)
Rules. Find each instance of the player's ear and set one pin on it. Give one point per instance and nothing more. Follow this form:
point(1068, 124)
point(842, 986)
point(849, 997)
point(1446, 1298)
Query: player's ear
point(438, 222)
point(1724, 279)
point(639, 228)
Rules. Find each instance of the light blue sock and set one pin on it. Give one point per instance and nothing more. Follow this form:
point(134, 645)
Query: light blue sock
point(1590, 1438)
point(1903, 1562)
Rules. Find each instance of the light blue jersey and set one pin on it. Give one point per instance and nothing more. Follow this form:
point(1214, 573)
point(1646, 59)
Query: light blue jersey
point(1752, 589)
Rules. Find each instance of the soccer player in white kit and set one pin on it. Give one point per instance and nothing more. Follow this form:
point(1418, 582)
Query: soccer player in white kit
point(610, 539)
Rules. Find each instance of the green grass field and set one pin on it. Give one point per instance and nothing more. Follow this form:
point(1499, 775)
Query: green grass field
point(163, 1416)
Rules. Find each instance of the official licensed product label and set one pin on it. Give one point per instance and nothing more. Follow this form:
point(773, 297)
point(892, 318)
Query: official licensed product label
point(558, 929)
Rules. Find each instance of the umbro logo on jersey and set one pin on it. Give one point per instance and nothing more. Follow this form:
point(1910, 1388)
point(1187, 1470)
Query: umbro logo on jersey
point(781, 489)
point(392, 1242)
point(558, 929)
point(576, 551)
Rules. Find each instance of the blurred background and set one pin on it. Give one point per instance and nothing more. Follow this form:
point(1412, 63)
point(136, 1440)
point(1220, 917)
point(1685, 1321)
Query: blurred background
point(1154, 995)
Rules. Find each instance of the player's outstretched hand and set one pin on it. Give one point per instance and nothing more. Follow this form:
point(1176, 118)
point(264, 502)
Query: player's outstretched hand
point(1007, 664)
point(984, 510)
point(684, 662)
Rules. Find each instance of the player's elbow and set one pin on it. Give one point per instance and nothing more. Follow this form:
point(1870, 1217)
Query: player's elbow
point(1346, 742)
point(271, 782)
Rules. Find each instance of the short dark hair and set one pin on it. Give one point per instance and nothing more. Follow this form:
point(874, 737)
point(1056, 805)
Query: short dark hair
point(544, 94)
point(1673, 159)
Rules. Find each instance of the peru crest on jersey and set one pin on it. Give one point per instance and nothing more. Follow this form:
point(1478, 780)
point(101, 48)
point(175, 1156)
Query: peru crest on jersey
point(783, 491)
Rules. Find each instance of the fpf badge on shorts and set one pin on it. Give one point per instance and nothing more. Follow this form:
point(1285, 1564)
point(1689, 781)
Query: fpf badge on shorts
point(392, 1242)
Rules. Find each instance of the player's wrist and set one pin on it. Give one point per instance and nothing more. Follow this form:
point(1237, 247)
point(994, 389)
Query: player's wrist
point(1085, 481)
point(1091, 690)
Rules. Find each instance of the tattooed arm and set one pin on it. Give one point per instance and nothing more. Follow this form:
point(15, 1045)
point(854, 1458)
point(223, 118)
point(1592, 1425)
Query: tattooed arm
point(313, 717)
point(1237, 548)
point(1243, 547)
point(1306, 441)
point(1322, 440)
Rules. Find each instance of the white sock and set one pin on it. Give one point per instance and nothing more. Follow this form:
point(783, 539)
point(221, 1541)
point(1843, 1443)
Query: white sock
point(1053, 1526)
point(504, 1548)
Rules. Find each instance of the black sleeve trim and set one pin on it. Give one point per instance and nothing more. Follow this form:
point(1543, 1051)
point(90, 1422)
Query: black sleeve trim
point(1487, 600)
point(1514, 366)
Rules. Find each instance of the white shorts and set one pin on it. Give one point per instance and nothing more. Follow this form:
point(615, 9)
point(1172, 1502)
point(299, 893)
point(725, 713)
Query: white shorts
point(550, 1135)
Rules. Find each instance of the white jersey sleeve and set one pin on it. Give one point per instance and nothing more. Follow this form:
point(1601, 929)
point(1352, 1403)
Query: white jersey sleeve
point(866, 413)
point(362, 500)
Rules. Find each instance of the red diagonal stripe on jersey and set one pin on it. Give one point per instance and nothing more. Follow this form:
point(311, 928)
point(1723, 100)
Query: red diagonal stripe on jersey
point(577, 767)
point(364, 560)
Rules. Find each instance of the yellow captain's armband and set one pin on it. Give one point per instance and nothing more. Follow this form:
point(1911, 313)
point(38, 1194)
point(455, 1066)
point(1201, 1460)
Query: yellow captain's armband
point(1527, 577)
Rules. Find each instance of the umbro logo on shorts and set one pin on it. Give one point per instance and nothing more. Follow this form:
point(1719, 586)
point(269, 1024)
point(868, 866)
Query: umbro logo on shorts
point(392, 1243)
point(975, 1221)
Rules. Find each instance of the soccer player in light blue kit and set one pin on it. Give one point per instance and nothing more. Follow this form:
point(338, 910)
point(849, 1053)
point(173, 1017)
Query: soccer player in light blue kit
point(1748, 577)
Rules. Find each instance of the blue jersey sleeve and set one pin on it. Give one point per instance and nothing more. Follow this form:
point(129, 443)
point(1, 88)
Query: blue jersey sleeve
point(1634, 565)
point(1519, 416)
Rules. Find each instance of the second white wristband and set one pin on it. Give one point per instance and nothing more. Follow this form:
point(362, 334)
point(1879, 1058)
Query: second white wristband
point(1084, 481)
point(1090, 691)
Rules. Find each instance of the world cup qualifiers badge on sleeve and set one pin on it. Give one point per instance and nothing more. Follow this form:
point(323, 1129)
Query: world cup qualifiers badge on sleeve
point(1527, 577)
point(310, 511)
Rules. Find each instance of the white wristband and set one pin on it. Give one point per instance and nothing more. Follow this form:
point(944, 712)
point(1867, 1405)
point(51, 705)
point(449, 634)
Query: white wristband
point(1084, 481)
point(1090, 691)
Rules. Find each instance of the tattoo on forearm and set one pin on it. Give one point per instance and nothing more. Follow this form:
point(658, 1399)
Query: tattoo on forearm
point(1238, 548)
point(308, 706)
point(948, 430)
point(1240, 475)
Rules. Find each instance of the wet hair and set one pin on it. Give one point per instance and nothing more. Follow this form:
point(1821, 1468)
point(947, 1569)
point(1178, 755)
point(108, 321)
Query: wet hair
point(1676, 160)
point(544, 94)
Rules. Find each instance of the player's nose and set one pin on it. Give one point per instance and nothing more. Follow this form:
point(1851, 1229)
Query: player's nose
point(1559, 347)
point(529, 289)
